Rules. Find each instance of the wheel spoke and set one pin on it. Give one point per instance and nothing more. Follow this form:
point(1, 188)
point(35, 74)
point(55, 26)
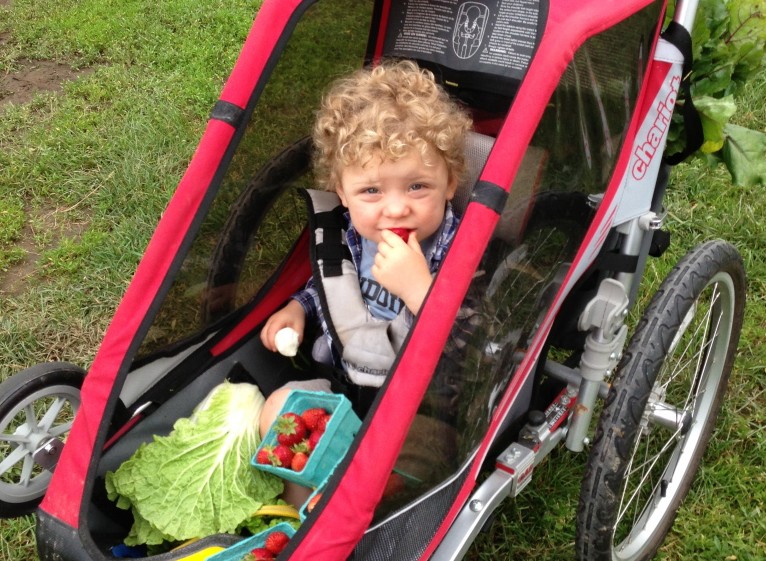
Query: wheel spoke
point(645, 468)
point(669, 392)
point(30, 416)
point(644, 482)
point(26, 470)
point(58, 430)
point(52, 413)
point(12, 459)
point(38, 407)
point(14, 438)
point(668, 375)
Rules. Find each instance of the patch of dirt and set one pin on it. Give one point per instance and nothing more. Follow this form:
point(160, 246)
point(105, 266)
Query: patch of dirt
point(53, 222)
point(18, 87)
point(35, 76)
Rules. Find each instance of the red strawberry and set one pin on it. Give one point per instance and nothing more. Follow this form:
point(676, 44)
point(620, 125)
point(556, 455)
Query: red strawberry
point(313, 502)
point(260, 554)
point(403, 233)
point(299, 461)
point(282, 456)
point(313, 439)
point(311, 417)
point(276, 542)
point(290, 429)
point(264, 455)
point(394, 485)
point(322, 423)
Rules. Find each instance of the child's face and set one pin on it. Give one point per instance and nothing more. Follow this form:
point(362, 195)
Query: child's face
point(405, 193)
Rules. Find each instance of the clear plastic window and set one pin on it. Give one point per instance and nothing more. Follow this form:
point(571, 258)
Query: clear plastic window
point(570, 162)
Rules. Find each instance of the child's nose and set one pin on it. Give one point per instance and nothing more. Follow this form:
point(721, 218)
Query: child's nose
point(396, 205)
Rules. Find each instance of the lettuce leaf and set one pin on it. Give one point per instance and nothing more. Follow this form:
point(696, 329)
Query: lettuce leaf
point(197, 481)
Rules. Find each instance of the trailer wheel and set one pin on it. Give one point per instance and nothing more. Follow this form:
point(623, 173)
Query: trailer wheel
point(37, 407)
point(662, 407)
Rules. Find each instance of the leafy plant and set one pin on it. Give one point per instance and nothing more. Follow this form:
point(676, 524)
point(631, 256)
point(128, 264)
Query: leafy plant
point(729, 49)
point(197, 481)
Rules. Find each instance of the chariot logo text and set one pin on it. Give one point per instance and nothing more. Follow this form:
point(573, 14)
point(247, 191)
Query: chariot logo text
point(645, 152)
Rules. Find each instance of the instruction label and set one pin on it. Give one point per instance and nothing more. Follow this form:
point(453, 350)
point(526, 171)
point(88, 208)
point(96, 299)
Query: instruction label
point(492, 36)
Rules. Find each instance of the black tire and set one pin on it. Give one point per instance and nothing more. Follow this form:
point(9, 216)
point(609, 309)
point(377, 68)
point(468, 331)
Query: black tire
point(662, 407)
point(245, 218)
point(37, 407)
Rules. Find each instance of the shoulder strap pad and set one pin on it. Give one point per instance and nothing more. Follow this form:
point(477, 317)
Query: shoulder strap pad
point(366, 345)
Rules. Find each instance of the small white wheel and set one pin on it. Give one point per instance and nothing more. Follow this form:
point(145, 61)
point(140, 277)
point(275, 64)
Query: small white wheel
point(37, 407)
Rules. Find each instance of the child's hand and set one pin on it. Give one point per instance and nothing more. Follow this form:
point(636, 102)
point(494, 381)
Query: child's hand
point(292, 315)
point(402, 269)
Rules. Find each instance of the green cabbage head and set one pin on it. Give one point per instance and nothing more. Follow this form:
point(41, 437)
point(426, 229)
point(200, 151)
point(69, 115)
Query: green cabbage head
point(197, 481)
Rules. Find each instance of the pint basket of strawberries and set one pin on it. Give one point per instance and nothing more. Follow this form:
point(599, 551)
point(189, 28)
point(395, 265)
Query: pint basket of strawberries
point(309, 437)
point(263, 546)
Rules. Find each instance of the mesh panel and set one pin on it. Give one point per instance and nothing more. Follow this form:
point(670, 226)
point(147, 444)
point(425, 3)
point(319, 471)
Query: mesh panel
point(477, 147)
point(406, 535)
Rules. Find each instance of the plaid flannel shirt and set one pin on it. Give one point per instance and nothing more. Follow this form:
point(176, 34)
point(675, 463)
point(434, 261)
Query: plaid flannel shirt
point(309, 297)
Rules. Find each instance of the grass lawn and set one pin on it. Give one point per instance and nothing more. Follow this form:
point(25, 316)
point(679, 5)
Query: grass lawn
point(102, 103)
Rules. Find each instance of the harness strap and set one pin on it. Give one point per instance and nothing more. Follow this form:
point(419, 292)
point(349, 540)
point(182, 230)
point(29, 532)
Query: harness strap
point(367, 345)
point(331, 251)
point(679, 36)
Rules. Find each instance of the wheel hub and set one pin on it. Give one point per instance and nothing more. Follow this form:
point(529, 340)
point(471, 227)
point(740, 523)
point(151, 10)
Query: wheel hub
point(47, 455)
point(670, 417)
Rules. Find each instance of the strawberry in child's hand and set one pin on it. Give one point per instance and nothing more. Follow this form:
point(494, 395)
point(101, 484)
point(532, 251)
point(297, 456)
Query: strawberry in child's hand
point(290, 429)
point(299, 461)
point(403, 233)
point(260, 554)
point(276, 542)
point(311, 417)
point(282, 456)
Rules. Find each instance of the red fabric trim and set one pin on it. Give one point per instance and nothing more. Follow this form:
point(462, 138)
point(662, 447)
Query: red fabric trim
point(64, 495)
point(349, 510)
point(382, 28)
point(542, 78)
point(273, 17)
point(122, 430)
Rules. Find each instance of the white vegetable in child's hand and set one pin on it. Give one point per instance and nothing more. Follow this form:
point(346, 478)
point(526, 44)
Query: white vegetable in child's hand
point(286, 341)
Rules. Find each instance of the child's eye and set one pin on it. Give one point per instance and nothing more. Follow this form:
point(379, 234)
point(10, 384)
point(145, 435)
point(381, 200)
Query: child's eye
point(371, 191)
point(417, 187)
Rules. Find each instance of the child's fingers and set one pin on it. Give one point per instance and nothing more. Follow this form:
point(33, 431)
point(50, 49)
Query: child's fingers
point(414, 243)
point(391, 239)
point(268, 336)
point(269, 332)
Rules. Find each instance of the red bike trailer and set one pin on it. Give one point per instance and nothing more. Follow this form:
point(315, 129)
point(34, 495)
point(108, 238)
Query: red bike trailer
point(572, 103)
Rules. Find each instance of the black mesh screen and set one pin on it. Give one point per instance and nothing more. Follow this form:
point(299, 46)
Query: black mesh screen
point(406, 534)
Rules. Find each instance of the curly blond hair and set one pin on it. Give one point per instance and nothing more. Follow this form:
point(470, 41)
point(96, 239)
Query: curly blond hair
point(386, 111)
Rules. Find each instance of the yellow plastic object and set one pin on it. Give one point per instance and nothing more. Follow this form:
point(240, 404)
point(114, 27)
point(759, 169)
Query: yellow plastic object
point(203, 554)
point(285, 511)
